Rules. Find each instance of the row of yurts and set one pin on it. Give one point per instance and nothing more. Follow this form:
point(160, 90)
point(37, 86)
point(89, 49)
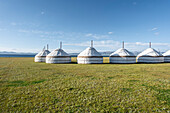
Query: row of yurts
point(91, 56)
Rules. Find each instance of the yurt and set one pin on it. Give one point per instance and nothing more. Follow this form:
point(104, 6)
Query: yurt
point(167, 56)
point(90, 56)
point(122, 56)
point(150, 55)
point(58, 56)
point(41, 56)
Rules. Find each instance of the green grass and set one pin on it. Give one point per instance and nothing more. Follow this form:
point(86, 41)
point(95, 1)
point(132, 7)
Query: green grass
point(26, 86)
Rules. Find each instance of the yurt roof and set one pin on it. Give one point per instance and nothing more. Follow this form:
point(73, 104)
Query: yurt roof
point(58, 52)
point(122, 52)
point(90, 51)
point(150, 52)
point(43, 53)
point(167, 53)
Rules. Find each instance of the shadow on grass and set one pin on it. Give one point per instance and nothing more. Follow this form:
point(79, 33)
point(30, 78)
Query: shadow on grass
point(105, 63)
point(163, 94)
point(62, 63)
point(45, 69)
point(112, 77)
point(151, 63)
point(20, 83)
point(125, 89)
point(133, 80)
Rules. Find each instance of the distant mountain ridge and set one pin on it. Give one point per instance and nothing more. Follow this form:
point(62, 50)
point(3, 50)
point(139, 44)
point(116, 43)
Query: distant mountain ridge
point(106, 53)
point(23, 53)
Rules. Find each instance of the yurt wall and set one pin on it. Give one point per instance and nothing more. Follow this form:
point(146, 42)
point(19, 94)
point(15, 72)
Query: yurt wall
point(90, 56)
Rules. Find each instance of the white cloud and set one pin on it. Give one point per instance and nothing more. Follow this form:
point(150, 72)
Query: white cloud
point(153, 29)
point(13, 23)
point(110, 33)
point(23, 31)
point(41, 32)
point(88, 35)
point(42, 12)
point(140, 46)
point(147, 44)
point(103, 45)
point(134, 3)
point(157, 33)
point(23, 50)
point(140, 43)
point(111, 45)
point(97, 36)
point(72, 50)
point(161, 44)
point(2, 29)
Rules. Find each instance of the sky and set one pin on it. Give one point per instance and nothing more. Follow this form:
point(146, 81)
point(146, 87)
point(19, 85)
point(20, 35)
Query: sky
point(28, 25)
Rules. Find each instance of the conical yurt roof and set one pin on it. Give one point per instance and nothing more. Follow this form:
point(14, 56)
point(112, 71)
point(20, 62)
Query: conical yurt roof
point(90, 51)
point(167, 53)
point(58, 52)
point(43, 52)
point(150, 52)
point(122, 52)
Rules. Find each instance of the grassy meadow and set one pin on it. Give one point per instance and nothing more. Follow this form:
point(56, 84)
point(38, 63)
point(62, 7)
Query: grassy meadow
point(26, 86)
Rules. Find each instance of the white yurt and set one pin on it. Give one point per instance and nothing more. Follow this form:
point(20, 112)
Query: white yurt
point(167, 56)
point(58, 56)
point(41, 56)
point(122, 56)
point(90, 56)
point(150, 55)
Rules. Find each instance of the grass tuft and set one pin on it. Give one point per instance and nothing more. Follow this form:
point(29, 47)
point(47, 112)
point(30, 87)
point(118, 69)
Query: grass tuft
point(39, 81)
point(125, 89)
point(133, 80)
point(20, 83)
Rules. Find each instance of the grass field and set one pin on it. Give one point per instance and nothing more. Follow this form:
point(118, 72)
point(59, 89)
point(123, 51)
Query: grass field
point(26, 86)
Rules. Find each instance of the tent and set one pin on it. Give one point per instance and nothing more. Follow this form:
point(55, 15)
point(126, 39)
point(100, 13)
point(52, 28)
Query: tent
point(123, 56)
point(58, 56)
point(167, 56)
point(90, 56)
point(41, 56)
point(150, 55)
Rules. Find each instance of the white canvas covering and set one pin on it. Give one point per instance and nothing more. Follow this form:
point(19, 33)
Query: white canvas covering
point(167, 56)
point(41, 56)
point(122, 56)
point(150, 55)
point(89, 56)
point(58, 56)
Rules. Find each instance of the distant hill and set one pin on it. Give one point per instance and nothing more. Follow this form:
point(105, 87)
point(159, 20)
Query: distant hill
point(106, 53)
point(18, 53)
point(6, 52)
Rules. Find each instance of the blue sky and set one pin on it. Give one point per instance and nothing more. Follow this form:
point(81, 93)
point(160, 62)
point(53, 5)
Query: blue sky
point(28, 25)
